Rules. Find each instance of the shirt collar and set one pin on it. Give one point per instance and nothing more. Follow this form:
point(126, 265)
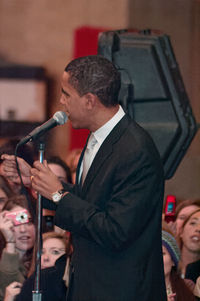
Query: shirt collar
point(105, 130)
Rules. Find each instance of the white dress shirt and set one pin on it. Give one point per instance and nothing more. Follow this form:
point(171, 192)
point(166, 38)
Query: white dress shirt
point(101, 134)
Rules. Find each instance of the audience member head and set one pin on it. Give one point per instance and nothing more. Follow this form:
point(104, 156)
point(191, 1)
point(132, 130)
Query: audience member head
point(60, 169)
point(175, 286)
point(72, 161)
point(183, 210)
point(171, 252)
point(5, 191)
point(190, 233)
point(23, 222)
point(54, 246)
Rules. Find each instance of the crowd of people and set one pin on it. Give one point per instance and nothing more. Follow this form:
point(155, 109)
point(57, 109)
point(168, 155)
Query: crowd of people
point(99, 243)
point(18, 237)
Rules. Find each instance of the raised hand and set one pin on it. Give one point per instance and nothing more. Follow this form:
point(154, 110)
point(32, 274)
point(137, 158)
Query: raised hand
point(6, 227)
point(12, 290)
point(9, 170)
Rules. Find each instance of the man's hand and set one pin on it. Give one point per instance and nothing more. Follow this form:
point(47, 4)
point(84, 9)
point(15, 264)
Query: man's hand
point(44, 180)
point(9, 169)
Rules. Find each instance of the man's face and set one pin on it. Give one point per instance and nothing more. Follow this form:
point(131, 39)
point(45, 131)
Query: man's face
point(74, 104)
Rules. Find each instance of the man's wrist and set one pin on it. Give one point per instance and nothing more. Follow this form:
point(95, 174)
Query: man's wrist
point(58, 195)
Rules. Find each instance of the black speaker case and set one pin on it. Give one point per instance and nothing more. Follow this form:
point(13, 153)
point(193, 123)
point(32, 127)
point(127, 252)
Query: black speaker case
point(152, 91)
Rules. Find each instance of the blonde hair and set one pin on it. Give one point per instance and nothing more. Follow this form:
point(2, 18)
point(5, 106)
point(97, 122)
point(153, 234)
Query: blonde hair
point(48, 235)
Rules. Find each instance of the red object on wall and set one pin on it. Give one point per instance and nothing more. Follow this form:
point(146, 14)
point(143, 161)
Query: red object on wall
point(85, 43)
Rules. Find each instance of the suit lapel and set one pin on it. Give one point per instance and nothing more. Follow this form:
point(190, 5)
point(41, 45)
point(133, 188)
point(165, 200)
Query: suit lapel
point(105, 151)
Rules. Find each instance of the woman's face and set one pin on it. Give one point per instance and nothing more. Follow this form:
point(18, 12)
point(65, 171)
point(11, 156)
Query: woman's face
point(191, 233)
point(168, 262)
point(24, 233)
point(183, 215)
point(52, 249)
point(59, 171)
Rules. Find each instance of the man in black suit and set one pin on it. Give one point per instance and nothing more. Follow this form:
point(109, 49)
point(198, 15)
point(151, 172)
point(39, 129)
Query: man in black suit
point(114, 212)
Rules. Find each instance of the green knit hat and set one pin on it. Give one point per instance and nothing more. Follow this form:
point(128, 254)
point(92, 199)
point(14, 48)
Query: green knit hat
point(171, 245)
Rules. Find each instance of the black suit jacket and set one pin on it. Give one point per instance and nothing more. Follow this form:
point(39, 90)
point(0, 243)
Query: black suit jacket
point(52, 285)
point(115, 220)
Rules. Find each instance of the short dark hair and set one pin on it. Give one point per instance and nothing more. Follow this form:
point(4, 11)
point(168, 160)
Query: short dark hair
point(97, 75)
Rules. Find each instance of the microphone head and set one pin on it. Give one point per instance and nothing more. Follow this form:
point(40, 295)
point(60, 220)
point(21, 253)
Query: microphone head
point(60, 117)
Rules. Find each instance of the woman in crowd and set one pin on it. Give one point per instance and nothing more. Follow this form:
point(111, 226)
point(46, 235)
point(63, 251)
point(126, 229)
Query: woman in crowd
point(183, 210)
point(190, 245)
point(18, 234)
point(54, 245)
point(175, 286)
point(60, 169)
point(54, 264)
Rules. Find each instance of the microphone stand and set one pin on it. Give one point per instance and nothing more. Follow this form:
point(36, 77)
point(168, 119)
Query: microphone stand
point(37, 293)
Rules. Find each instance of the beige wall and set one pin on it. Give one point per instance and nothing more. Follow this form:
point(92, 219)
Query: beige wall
point(40, 32)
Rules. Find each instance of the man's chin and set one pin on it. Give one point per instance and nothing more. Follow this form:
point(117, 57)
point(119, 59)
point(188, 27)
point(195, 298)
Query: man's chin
point(75, 126)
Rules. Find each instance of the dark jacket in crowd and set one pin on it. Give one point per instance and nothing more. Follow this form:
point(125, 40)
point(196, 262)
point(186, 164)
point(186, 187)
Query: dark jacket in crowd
point(193, 271)
point(52, 285)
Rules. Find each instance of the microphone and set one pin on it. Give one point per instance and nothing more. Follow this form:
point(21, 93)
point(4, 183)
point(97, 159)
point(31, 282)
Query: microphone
point(59, 118)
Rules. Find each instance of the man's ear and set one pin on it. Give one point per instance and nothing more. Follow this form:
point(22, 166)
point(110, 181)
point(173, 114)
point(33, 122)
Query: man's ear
point(90, 100)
